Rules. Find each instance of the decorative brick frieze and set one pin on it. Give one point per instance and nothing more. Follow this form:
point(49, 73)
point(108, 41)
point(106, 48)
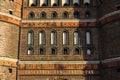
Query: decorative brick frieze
point(58, 66)
point(58, 24)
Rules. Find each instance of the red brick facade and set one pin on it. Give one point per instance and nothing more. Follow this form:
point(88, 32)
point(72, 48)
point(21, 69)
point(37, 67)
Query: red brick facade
point(100, 18)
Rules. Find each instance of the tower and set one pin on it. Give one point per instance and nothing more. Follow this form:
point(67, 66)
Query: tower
point(110, 30)
point(10, 16)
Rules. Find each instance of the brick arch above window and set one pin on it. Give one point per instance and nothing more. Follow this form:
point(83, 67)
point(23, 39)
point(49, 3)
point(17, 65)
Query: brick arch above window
point(31, 15)
point(54, 15)
point(76, 14)
point(65, 35)
point(65, 51)
point(43, 15)
point(77, 51)
point(65, 15)
point(53, 37)
point(30, 36)
point(42, 37)
point(53, 51)
point(42, 51)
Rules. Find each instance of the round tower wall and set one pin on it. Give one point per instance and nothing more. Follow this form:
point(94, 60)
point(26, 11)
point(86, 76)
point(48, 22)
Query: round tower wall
point(11, 7)
point(9, 38)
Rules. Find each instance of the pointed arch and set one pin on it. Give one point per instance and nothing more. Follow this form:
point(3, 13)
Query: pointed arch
point(43, 15)
point(87, 14)
point(53, 37)
point(77, 51)
point(42, 37)
point(54, 15)
point(30, 36)
point(65, 15)
point(65, 37)
point(42, 51)
point(88, 37)
point(53, 51)
point(76, 14)
point(65, 51)
point(76, 37)
point(31, 15)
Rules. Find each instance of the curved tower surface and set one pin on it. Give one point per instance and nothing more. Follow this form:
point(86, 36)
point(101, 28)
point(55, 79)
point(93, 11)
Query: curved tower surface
point(59, 39)
point(10, 16)
point(110, 40)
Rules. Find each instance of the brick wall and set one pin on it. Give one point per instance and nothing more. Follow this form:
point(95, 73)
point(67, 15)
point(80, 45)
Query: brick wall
point(111, 70)
point(9, 39)
point(82, 45)
point(7, 5)
point(108, 6)
point(5, 74)
point(59, 71)
point(59, 10)
point(111, 40)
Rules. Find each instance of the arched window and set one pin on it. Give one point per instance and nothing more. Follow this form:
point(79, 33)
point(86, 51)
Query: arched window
point(88, 38)
point(76, 37)
point(31, 15)
point(54, 15)
point(76, 14)
point(43, 15)
point(77, 51)
point(53, 37)
point(43, 2)
point(86, 2)
point(42, 51)
point(65, 38)
point(33, 2)
point(65, 2)
point(65, 51)
point(30, 51)
point(65, 15)
point(54, 2)
point(53, 51)
point(30, 37)
point(87, 14)
point(76, 2)
point(42, 37)
point(89, 52)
